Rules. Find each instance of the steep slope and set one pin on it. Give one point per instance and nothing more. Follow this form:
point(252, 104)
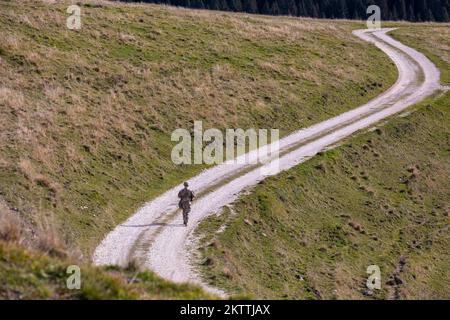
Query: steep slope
point(86, 116)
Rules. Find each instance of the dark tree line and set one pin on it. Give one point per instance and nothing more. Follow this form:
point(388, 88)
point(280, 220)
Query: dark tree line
point(411, 10)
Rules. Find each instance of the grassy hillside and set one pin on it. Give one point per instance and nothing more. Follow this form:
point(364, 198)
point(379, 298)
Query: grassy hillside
point(38, 269)
point(311, 232)
point(26, 274)
point(86, 116)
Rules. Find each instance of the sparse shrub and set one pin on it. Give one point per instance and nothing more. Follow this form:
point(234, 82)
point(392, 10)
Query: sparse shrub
point(10, 227)
point(48, 240)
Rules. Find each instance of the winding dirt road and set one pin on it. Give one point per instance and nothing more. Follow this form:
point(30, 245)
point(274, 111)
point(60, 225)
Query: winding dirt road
point(155, 238)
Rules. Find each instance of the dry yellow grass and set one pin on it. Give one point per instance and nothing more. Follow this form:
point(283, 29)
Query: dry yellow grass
point(10, 225)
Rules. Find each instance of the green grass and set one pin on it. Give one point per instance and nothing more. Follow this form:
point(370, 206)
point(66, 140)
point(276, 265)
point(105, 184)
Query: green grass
point(28, 274)
point(312, 231)
point(86, 116)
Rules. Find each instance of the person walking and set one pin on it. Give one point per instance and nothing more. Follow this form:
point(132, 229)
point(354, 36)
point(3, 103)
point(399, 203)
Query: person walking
point(186, 197)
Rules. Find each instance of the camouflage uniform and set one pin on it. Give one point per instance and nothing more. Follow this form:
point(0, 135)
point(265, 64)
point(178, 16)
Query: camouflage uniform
point(186, 196)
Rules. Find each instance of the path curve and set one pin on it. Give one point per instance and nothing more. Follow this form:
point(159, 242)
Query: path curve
point(154, 237)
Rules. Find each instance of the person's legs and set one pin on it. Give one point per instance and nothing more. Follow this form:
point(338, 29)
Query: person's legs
point(184, 217)
point(186, 209)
